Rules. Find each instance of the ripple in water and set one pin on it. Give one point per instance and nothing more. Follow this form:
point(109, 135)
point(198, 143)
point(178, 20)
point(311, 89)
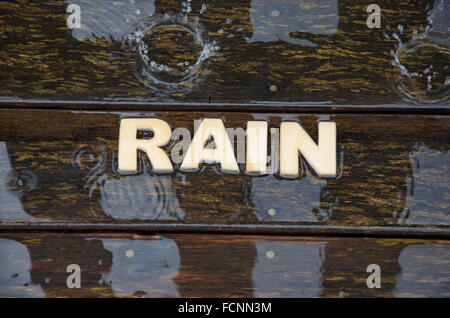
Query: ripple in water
point(422, 70)
point(142, 197)
point(170, 52)
point(421, 65)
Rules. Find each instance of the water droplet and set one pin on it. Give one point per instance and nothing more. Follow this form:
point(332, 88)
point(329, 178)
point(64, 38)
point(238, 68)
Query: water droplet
point(23, 181)
point(275, 13)
point(129, 253)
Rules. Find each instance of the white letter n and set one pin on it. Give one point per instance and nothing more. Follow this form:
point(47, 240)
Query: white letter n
point(321, 156)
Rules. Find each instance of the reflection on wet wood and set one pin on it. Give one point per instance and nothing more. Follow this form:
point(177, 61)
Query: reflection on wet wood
point(236, 51)
point(60, 168)
point(302, 60)
point(177, 265)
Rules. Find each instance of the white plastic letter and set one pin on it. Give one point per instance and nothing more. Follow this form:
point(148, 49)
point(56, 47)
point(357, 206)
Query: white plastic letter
point(321, 156)
point(223, 152)
point(256, 147)
point(129, 144)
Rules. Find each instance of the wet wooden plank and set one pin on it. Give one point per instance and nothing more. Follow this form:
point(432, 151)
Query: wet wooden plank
point(59, 171)
point(184, 265)
point(253, 52)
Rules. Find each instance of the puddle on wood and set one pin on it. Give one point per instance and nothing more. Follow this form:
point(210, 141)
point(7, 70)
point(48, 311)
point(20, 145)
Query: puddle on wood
point(259, 51)
point(219, 266)
point(386, 177)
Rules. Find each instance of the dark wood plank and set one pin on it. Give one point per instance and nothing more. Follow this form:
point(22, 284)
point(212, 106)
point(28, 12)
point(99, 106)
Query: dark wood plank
point(59, 171)
point(182, 265)
point(260, 51)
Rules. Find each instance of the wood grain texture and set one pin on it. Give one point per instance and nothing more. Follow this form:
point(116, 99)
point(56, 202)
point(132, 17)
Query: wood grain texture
point(386, 88)
point(260, 51)
point(183, 265)
point(60, 172)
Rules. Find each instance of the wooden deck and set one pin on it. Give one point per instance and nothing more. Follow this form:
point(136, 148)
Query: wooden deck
point(63, 93)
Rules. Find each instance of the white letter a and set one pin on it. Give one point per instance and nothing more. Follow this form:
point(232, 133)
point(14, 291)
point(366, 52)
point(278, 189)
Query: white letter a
point(223, 153)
